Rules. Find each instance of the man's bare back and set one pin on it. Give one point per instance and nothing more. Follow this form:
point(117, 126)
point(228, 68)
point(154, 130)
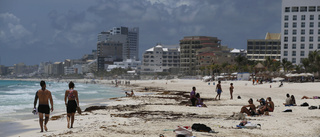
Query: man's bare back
point(44, 96)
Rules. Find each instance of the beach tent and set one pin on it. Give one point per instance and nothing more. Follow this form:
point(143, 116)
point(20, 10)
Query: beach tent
point(278, 79)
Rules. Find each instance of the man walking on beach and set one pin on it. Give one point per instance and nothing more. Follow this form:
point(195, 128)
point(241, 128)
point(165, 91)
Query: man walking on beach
point(43, 95)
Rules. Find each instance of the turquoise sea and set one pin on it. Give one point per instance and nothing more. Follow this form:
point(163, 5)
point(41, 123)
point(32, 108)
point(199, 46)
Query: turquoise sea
point(16, 97)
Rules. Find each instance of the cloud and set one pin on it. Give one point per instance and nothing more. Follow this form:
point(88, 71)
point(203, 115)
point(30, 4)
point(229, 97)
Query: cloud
point(13, 33)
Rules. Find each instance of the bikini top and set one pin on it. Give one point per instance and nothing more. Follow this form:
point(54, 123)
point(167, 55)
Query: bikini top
point(71, 95)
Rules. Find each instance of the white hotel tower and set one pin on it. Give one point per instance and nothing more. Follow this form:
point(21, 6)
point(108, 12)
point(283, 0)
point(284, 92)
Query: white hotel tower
point(300, 29)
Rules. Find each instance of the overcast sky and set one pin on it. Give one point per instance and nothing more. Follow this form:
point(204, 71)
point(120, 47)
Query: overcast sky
point(34, 31)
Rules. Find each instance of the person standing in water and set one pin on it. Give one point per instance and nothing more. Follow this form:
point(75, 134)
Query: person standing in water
point(231, 90)
point(43, 108)
point(218, 89)
point(72, 104)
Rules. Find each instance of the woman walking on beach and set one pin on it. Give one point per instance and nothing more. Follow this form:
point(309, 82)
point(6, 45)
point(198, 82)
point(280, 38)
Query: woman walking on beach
point(73, 103)
point(231, 90)
point(218, 89)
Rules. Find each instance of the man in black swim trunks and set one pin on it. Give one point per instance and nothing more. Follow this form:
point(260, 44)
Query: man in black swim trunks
point(43, 95)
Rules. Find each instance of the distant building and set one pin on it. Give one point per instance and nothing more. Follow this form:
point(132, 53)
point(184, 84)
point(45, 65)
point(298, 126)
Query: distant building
point(57, 68)
point(259, 49)
point(300, 29)
point(188, 48)
point(75, 69)
point(3, 70)
point(108, 52)
point(160, 59)
point(237, 52)
point(19, 68)
point(129, 37)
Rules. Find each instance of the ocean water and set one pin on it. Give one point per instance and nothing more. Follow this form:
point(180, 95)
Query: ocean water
point(16, 97)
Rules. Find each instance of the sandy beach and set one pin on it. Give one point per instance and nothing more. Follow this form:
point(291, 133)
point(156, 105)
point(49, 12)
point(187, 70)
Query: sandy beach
point(162, 107)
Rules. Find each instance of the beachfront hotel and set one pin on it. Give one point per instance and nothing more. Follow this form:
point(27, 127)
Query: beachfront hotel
point(161, 59)
point(259, 49)
point(300, 29)
point(188, 50)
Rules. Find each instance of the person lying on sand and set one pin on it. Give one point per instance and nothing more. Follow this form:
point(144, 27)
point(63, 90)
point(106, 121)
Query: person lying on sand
point(314, 97)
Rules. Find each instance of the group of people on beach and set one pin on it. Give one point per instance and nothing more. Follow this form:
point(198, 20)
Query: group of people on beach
point(44, 96)
point(265, 107)
point(195, 98)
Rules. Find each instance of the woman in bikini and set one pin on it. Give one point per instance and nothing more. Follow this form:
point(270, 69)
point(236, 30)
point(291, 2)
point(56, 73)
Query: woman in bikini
point(72, 104)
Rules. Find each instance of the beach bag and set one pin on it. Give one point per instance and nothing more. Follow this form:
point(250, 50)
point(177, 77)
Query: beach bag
point(305, 104)
point(313, 107)
point(201, 127)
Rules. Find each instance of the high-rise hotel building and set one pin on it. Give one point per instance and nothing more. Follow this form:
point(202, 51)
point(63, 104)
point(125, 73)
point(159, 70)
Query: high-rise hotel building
point(300, 29)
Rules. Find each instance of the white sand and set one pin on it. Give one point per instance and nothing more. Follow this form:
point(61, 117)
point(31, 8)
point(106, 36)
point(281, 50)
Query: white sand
point(158, 118)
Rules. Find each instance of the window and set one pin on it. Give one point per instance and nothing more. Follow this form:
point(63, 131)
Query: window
point(302, 46)
point(302, 32)
point(293, 60)
point(302, 39)
point(294, 17)
point(311, 25)
point(285, 46)
point(286, 32)
point(286, 25)
point(318, 38)
point(293, 53)
point(295, 9)
point(310, 46)
point(301, 53)
point(294, 32)
point(311, 17)
point(303, 9)
point(303, 24)
point(287, 9)
point(303, 17)
point(318, 31)
point(312, 8)
point(319, 24)
point(285, 53)
point(294, 46)
point(319, 16)
point(286, 17)
point(294, 24)
point(311, 31)
point(318, 8)
point(285, 39)
point(294, 39)
point(310, 39)
point(318, 46)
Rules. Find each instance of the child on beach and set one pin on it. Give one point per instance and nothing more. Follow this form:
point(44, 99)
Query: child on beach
point(200, 101)
point(218, 89)
point(231, 90)
point(193, 96)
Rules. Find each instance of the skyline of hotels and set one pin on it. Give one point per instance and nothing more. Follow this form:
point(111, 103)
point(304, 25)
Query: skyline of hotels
point(299, 35)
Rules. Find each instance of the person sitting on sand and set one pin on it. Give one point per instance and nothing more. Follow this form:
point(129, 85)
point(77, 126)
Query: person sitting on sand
point(130, 95)
point(200, 101)
point(314, 97)
point(293, 101)
point(252, 108)
point(193, 97)
point(269, 107)
point(288, 100)
point(261, 107)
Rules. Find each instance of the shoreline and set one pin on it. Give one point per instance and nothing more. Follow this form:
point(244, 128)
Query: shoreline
point(165, 108)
